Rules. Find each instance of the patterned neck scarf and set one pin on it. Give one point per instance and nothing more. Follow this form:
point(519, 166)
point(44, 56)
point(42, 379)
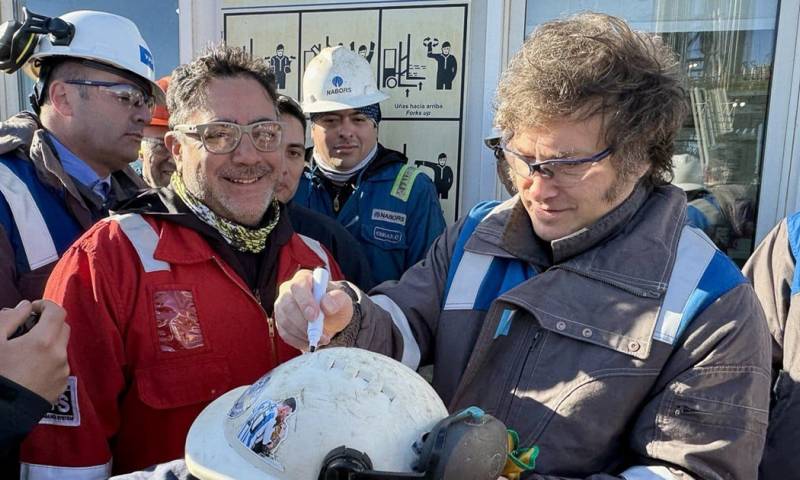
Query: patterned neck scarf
point(241, 238)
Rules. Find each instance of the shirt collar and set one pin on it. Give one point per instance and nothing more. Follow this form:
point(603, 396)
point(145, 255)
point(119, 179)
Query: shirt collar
point(80, 171)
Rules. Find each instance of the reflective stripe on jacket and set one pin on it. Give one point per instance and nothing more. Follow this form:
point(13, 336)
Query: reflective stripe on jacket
point(41, 209)
point(165, 327)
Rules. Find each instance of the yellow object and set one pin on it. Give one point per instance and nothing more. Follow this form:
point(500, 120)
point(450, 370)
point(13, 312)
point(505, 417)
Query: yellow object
point(519, 459)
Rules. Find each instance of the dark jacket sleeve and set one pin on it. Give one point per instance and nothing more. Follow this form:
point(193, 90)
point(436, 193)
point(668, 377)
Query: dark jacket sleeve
point(20, 411)
point(10, 294)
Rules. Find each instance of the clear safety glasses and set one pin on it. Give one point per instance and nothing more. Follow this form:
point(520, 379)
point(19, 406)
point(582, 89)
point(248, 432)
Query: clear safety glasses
point(126, 94)
point(563, 171)
point(224, 137)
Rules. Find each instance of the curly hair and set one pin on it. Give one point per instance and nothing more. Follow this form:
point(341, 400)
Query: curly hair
point(188, 87)
point(591, 64)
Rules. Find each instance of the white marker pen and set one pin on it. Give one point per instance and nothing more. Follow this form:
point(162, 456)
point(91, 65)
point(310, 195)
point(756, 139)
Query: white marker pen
point(320, 286)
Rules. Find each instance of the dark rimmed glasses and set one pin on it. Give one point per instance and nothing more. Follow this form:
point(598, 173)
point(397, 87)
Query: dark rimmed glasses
point(224, 137)
point(563, 171)
point(126, 94)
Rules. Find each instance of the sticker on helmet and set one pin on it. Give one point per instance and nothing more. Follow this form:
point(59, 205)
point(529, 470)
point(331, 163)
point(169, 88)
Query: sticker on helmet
point(146, 57)
point(337, 82)
point(266, 427)
point(246, 399)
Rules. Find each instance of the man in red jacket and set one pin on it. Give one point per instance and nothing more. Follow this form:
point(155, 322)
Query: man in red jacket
point(170, 301)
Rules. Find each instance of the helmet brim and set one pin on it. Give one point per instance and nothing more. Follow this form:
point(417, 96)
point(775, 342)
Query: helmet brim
point(332, 106)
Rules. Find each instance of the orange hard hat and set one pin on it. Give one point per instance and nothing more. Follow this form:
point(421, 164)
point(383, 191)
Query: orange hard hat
point(160, 113)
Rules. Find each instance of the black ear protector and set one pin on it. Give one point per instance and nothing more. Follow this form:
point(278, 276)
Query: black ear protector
point(18, 40)
point(468, 445)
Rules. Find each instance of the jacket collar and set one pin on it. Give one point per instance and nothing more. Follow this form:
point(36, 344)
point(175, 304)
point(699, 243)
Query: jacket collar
point(163, 204)
point(375, 170)
point(647, 224)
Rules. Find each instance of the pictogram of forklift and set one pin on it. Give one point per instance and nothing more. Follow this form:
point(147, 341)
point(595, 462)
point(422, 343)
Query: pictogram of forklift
point(397, 68)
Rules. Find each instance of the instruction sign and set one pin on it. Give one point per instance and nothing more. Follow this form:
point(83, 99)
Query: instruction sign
point(417, 55)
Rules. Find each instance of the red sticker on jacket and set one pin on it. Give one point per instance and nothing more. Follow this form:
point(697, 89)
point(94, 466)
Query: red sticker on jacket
point(176, 320)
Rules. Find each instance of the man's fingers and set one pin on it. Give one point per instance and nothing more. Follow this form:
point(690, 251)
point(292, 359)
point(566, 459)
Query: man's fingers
point(293, 337)
point(303, 296)
point(11, 318)
point(291, 325)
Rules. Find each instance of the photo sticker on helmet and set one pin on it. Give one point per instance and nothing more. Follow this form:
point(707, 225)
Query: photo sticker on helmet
point(266, 427)
point(245, 401)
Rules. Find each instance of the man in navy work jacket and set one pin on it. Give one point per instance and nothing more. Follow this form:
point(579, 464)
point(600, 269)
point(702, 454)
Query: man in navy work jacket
point(387, 205)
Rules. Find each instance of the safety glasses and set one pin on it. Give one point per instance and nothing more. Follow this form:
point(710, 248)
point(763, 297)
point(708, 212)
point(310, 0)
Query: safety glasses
point(563, 171)
point(224, 137)
point(126, 94)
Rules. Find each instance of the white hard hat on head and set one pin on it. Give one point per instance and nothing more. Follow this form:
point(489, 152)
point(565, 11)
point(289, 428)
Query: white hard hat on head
point(104, 38)
point(687, 172)
point(339, 79)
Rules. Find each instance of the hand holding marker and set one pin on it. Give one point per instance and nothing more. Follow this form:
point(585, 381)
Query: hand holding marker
point(320, 285)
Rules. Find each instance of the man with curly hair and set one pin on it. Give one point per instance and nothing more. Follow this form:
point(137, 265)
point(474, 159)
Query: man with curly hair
point(170, 301)
point(583, 312)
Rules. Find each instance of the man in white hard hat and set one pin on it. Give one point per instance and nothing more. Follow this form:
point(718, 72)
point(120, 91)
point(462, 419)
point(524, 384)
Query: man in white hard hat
point(345, 249)
point(170, 300)
point(387, 205)
point(63, 166)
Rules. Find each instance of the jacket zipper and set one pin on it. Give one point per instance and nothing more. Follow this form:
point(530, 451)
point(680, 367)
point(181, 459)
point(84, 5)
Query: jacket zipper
point(270, 320)
point(534, 342)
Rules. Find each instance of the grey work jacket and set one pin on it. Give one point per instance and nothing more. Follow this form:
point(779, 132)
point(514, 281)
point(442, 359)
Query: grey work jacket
point(585, 370)
point(771, 268)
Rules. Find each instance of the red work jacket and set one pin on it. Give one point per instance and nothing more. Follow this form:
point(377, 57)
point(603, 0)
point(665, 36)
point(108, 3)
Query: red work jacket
point(161, 326)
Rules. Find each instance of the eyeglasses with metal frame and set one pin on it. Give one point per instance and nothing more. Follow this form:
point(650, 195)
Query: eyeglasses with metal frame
point(127, 94)
point(563, 171)
point(225, 137)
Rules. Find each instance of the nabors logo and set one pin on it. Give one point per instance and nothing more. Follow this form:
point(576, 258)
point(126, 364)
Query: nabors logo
point(337, 82)
point(389, 216)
